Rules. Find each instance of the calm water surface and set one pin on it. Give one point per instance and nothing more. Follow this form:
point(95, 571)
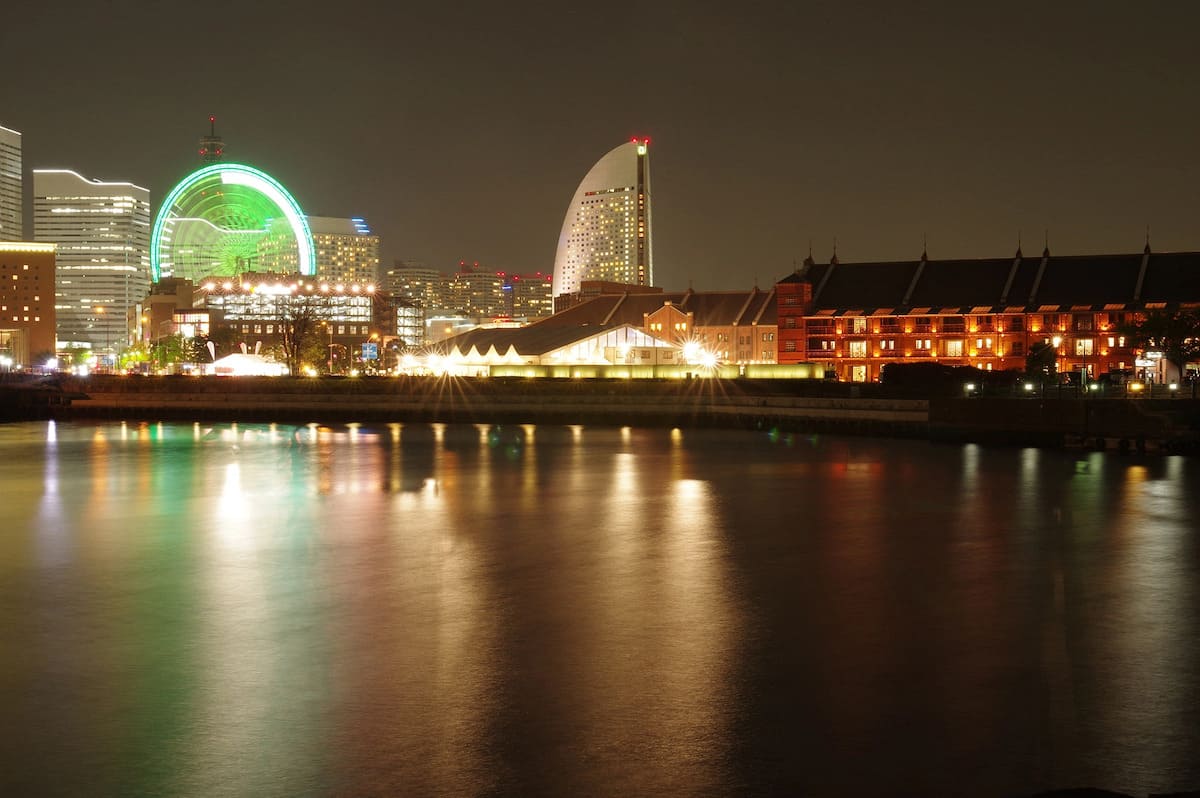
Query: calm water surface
point(458, 610)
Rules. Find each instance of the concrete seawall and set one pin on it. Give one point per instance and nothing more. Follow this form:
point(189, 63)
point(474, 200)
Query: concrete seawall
point(786, 405)
point(906, 417)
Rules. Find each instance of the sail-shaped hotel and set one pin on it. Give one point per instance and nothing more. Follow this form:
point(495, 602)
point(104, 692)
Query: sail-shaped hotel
point(606, 233)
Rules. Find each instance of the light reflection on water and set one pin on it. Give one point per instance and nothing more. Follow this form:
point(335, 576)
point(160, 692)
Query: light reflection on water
point(206, 609)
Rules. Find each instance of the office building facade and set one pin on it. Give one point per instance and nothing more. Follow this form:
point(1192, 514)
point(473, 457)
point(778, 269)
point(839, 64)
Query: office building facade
point(11, 192)
point(102, 234)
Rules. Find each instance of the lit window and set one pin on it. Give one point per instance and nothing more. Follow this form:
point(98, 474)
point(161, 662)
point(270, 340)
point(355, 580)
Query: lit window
point(1083, 346)
point(858, 348)
point(954, 348)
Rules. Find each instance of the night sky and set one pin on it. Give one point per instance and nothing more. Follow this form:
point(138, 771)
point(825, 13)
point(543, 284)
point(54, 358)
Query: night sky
point(460, 130)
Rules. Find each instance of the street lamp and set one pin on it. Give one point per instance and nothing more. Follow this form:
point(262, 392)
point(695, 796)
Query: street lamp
point(1057, 342)
point(329, 326)
point(103, 323)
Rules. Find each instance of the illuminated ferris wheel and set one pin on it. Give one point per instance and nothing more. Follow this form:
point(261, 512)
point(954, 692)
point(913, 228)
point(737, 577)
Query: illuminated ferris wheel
point(228, 218)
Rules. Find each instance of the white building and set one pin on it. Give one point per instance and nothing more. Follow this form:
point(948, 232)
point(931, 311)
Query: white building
point(102, 230)
point(606, 232)
point(11, 228)
point(553, 351)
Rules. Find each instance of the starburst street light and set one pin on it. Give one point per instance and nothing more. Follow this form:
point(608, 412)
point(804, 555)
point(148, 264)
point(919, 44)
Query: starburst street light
point(695, 354)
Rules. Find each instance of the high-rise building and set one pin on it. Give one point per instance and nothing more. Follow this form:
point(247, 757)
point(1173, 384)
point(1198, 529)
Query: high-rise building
point(478, 292)
point(11, 228)
point(102, 231)
point(528, 296)
point(426, 287)
point(606, 232)
point(26, 302)
point(347, 250)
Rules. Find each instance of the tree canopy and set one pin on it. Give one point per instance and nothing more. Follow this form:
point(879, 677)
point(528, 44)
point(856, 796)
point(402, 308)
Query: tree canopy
point(1174, 333)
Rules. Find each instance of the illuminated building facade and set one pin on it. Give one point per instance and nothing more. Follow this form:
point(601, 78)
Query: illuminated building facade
point(409, 322)
point(102, 233)
point(347, 250)
point(418, 283)
point(528, 296)
point(254, 307)
point(27, 327)
point(606, 234)
point(11, 182)
point(736, 327)
point(478, 292)
point(481, 351)
point(154, 317)
point(854, 318)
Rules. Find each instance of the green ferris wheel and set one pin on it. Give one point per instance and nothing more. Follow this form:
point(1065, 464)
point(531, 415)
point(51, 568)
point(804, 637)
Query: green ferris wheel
point(228, 218)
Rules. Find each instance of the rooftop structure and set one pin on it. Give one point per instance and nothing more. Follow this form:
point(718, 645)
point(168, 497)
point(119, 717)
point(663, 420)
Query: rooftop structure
point(212, 146)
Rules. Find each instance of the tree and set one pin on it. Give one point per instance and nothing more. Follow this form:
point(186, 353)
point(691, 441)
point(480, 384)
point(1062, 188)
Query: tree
point(224, 340)
point(42, 357)
point(299, 329)
point(171, 349)
point(77, 355)
point(1174, 333)
point(1042, 360)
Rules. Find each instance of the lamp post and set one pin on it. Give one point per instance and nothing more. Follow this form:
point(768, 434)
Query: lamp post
point(103, 323)
point(329, 326)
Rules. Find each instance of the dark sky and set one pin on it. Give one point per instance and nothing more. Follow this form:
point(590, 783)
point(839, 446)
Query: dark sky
point(460, 130)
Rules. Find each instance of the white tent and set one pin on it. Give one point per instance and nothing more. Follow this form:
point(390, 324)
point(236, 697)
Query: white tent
point(239, 365)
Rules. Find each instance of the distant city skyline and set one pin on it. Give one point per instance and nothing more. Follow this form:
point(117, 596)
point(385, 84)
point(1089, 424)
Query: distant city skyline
point(459, 132)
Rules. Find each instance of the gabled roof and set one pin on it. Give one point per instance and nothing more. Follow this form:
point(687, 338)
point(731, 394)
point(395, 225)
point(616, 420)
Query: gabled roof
point(1041, 282)
point(864, 285)
point(529, 341)
point(1172, 277)
point(535, 340)
point(961, 283)
point(710, 308)
point(1089, 280)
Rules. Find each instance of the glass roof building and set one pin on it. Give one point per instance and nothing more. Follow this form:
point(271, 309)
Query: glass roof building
point(606, 234)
